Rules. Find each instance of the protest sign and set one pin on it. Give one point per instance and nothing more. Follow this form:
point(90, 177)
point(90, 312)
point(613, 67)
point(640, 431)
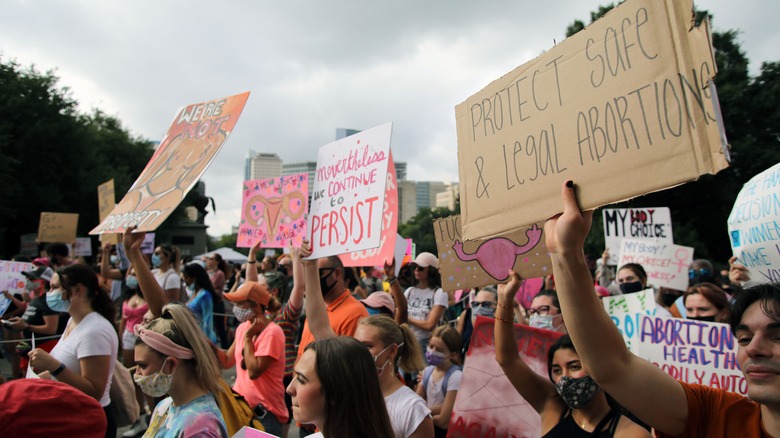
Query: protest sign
point(273, 211)
point(384, 253)
point(11, 278)
point(623, 309)
point(631, 91)
point(693, 351)
point(529, 287)
point(249, 432)
point(653, 224)
point(82, 247)
point(147, 246)
point(487, 405)
point(401, 247)
point(57, 227)
point(28, 245)
point(349, 191)
point(475, 263)
point(666, 264)
point(106, 203)
point(195, 137)
point(754, 226)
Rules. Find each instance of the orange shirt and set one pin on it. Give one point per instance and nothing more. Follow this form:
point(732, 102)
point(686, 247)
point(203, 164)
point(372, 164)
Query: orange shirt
point(343, 314)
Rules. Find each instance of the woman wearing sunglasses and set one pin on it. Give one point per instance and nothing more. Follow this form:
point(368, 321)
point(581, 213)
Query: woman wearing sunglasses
point(483, 304)
point(426, 301)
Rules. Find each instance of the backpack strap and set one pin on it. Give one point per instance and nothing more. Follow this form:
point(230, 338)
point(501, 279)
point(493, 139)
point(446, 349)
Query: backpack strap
point(447, 375)
point(427, 377)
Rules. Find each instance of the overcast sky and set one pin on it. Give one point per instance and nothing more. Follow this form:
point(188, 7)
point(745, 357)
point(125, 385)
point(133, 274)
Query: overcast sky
point(311, 66)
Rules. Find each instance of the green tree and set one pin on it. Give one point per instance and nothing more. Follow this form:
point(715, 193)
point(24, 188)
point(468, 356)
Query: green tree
point(420, 227)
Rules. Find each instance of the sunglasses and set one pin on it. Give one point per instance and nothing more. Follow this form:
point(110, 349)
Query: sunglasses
point(486, 304)
point(419, 268)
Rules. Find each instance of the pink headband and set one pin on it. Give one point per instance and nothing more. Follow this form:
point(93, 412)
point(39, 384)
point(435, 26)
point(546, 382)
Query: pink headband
point(163, 344)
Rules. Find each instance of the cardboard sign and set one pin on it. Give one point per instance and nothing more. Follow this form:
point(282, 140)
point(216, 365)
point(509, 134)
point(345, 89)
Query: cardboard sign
point(653, 224)
point(28, 245)
point(754, 227)
point(11, 278)
point(487, 405)
point(666, 264)
point(106, 203)
point(273, 211)
point(384, 253)
point(623, 310)
point(190, 145)
point(692, 351)
point(58, 227)
point(349, 191)
point(465, 264)
point(631, 91)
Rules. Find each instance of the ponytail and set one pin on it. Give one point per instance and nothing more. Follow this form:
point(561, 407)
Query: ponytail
point(83, 274)
point(409, 356)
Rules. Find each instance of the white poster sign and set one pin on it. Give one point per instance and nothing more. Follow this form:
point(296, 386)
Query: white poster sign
point(623, 309)
point(652, 223)
point(666, 264)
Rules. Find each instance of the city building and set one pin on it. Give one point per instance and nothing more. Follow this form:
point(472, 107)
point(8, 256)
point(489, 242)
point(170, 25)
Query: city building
point(448, 198)
point(309, 167)
point(262, 166)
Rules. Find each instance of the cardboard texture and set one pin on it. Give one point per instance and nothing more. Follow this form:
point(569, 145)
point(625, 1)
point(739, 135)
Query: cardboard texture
point(384, 253)
point(349, 191)
point(57, 227)
point(195, 137)
point(666, 265)
point(273, 211)
point(753, 226)
point(649, 224)
point(476, 263)
point(628, 92)
point(487, 405)
point(106, 203)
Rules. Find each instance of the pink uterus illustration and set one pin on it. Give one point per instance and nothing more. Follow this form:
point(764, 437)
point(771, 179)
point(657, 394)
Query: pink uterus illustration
point(497, 256)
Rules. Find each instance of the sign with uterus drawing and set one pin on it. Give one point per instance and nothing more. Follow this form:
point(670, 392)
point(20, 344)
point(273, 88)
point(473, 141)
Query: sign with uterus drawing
point(274, 212)
point(477, 263)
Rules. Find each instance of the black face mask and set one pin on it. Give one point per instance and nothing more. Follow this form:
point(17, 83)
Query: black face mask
point(324, 286)
point(710, 318)
point(668, 299)
point(629, 288)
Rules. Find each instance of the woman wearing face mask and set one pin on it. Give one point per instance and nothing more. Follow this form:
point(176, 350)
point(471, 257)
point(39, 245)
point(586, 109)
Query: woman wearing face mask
point(85, 355)
point(258, 349)
point(202, 297)
point(632, 278)
point(545, 312)
point(174, 358)
point(483, 304)
point(336, 388)
point(391, 345)
point(426, 301)
point(570, 403)
point(440, 381)
point(707, 302)
point(165, 262)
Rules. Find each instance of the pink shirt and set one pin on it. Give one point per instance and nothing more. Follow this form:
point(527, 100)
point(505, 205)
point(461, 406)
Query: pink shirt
point(267, 389)
point(133, 315)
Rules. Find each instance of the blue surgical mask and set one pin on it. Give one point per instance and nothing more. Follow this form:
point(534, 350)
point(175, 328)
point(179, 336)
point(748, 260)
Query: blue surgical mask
point(482, 311)
point(114, 259)
point(55, 302)
point(156, 261)
point(373, 311)
point(131, 281)
point(543, 322)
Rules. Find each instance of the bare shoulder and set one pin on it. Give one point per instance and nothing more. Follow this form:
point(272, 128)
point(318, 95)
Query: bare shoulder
point(630, 429)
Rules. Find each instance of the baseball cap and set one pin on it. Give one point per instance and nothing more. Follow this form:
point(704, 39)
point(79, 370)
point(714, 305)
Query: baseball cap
point(425, 259)
point(252, 291)
point(378, 300)
point(39, 273)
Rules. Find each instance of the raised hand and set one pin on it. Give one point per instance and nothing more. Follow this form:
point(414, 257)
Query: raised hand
point(565, 233)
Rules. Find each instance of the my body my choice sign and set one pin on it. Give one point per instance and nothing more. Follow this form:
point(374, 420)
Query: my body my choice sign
point(631, 91)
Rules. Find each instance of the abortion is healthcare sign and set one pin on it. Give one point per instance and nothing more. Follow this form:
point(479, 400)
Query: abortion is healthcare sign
point(754, 226)
point(349, 193)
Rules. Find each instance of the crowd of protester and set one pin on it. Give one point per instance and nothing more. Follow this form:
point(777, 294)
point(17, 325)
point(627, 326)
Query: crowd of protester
point(364, 352)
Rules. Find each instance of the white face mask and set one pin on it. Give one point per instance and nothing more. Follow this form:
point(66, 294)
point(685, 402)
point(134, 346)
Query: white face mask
point(544, 322)
point(155, 385)
point(376, 356)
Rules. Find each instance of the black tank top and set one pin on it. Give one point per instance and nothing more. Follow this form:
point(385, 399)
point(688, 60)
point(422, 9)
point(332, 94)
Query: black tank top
point(567, 427)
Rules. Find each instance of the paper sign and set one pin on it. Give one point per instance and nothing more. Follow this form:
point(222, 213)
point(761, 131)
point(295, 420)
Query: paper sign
point(487, 405)
point(147, 246)
point(11, 278)
point(249, 432)
point(401, 246)
point(632, 91)
point(28, 245)
point(273, 211)
point(82, 247)
point(58, 227)
point(623, 310)
point(465, 264)
point(5, 303)
point(692, 351)
point(384, 253)
point(190, 145)
point(666, 264)
point(649, 224)
point(528, 290)
point(754, 226)
point(349, 191)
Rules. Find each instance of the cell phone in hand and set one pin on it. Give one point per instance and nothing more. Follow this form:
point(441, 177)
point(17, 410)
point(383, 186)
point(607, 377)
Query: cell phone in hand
point(6, 322)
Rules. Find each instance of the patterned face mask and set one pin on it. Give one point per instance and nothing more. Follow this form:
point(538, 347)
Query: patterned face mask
point(243, 315)
point(154, 385)
point(577, 393)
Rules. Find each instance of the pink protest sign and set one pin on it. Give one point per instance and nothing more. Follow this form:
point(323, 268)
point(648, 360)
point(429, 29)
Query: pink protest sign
point(273, 211)
point(487, 403)
point(378, 256)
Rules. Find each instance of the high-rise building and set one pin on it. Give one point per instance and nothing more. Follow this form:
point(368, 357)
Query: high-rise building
point(407, 201)
point(344, 132)
point(448, 197)
point(309, 167)
point(262, 166)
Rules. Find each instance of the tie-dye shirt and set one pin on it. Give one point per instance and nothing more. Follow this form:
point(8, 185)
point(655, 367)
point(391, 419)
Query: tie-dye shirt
point(200, 417)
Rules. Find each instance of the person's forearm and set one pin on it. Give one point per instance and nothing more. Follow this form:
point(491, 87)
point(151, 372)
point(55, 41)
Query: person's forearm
point(599, 344)
point(151, 290)
point(299, 281)
point(316, 310)
point(251, 268)
point(504, 332)
point(401, 306)
point(79, 382)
